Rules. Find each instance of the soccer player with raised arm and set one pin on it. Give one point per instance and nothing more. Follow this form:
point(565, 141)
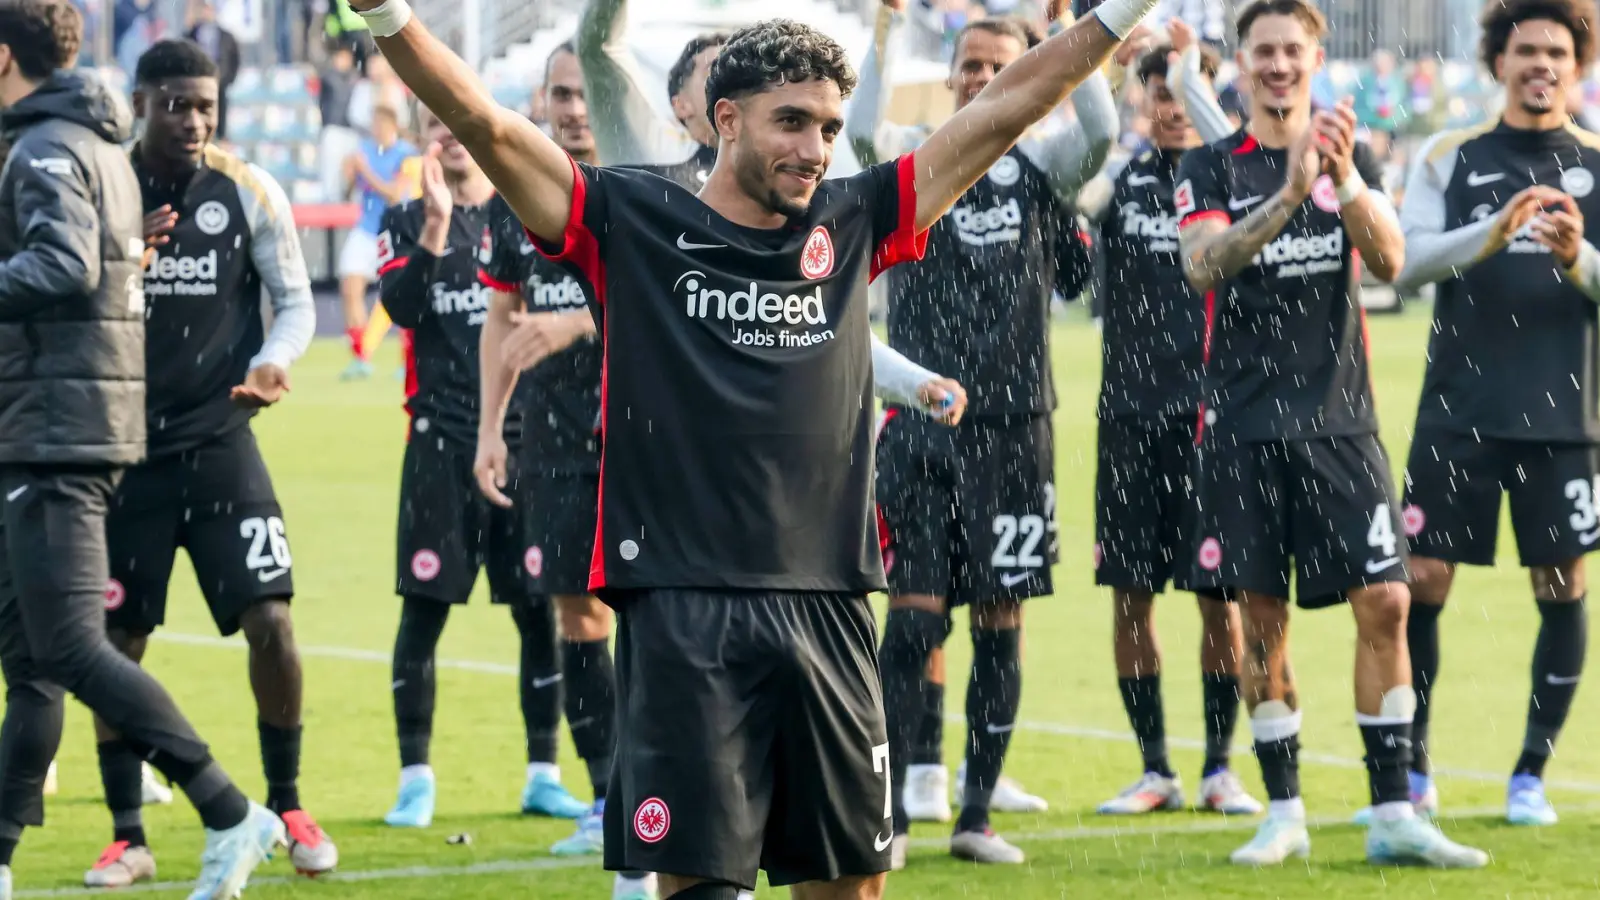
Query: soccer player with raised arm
point(1293, 484)
point(428, 281)
point(626, 129)
point(1505, 219)
point(224, 235)
point(970, 513)
point(1144, 487)
point(735, 533)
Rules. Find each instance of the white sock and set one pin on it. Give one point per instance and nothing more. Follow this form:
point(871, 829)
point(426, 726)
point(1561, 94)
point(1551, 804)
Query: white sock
point(1293, 808)
point(1398, 811)
point(409, 774)
point(541, 768)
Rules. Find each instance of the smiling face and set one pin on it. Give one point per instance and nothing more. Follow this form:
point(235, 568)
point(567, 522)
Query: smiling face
point(979, 58)
point(1280, 56)
point(453, 158)
point(1538, 66)
point(1170, 127)
point(782, 141)
point(180, 117)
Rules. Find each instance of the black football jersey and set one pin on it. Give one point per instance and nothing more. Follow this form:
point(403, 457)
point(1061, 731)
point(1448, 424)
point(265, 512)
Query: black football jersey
point(977, 309)
point(691, 174)
point(443, 302)
point(1286, 347)
point(1154, 326)
point(203, 290)
point(737, 389)
point(1513, 350)
point(558, 400)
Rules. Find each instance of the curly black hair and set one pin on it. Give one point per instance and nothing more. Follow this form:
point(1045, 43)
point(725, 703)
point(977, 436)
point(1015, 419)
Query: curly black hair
point(1154, 63)
point(44, 35)
point(173, 59)
point(684, 67)
point(775, 52)
point(1501, 18)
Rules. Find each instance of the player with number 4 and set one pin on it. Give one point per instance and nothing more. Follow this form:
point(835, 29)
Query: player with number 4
point(1292, 481)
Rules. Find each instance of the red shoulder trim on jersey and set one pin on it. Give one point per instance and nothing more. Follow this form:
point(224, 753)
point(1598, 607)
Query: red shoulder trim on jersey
point(408, 351)
point(495, 284)
point(885, 536)
point(597, 555)
point(392, 265)
point(578, 243)
point(1204, 215)
point(1249, 146)
point(904, 244)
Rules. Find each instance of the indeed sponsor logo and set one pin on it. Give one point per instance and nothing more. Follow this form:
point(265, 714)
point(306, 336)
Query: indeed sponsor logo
point(192, 276)
point(1159, 229)
point(474, 298)
point(996, 225)
point(559, 295)
point(758, 308)
point(1302, 255)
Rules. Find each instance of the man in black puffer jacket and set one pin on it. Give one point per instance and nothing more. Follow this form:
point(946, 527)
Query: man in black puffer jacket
point(72, 416)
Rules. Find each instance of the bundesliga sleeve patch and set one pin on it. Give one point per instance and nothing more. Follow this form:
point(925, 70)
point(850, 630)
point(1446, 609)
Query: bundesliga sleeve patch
point(1183, 199)
point(385, 248)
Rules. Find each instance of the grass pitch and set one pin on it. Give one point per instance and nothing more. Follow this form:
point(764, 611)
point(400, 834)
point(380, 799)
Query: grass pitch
point(335, 454)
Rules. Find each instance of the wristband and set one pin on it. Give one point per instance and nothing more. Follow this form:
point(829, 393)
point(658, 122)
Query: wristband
point(1120, 17)
point(1348, 191)
point(387, 18)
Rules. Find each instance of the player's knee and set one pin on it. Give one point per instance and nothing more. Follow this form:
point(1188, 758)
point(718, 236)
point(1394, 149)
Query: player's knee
point(1562, 583)
point(1001, 614)
point(704, 890)
point(584, 618)
point(1430, 579)
point(129, 643)
point(268, 625)
point(1380, 611)
point(931, 603)
point(1132, 609)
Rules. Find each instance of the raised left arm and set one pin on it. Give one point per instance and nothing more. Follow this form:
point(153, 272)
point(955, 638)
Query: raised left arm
point(968, 143)
point(1072, 156)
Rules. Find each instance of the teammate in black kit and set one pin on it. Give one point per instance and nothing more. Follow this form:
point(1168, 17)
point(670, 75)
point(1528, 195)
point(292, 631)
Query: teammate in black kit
point(1144, 496)
point(735, 532)
point(1505, 218)
point(429, 250)
point(970, 514)
point(1291, 477)
point(223, 232)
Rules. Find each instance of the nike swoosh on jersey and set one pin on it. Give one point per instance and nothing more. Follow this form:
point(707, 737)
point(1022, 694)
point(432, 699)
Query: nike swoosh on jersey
point(546, 682)
point(1142, 180)
point(1560, 680)
point(271, 575)
point(1237, 205)
point(1009, 580)
point(1476, 180)
point(1374, 566)
point(881, 843)
point(685, 244)
point(12, 495)
point(999, 729)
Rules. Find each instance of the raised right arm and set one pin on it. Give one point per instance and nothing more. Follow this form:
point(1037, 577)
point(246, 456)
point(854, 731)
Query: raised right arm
point(871, 137)
point(527, 168)
point(627, 130)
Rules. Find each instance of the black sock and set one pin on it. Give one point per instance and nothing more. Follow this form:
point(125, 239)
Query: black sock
point(1388, 759)
point(1422, 634)
point(219, 802)
point(422, 621)
point(993, 700)
point(928, 747)
point(280, 760)
point(1141, 697)
point(539, 678)
point(122, 777)
point(909, 635)
point(1220, 694)
point(1280, 767)
point(591, 702)
point(709, 890)
point(599, 777)
point(8, 848)
point(1557, 664)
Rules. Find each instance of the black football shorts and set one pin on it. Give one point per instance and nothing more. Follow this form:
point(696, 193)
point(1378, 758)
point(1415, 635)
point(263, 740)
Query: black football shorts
point(1145, 509)
point(1321, 510)
point(750, 736)
point(1453, 487)
point(967, 513)
point(216, 502)
point(562, 510)
point(448, 530)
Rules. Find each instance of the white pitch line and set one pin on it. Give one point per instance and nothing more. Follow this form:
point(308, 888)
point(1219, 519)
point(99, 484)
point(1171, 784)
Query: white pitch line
point(1076, 731)
point(513, 866)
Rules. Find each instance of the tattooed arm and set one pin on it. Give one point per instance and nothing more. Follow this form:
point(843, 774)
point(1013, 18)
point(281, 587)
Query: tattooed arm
point(1213, 250)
